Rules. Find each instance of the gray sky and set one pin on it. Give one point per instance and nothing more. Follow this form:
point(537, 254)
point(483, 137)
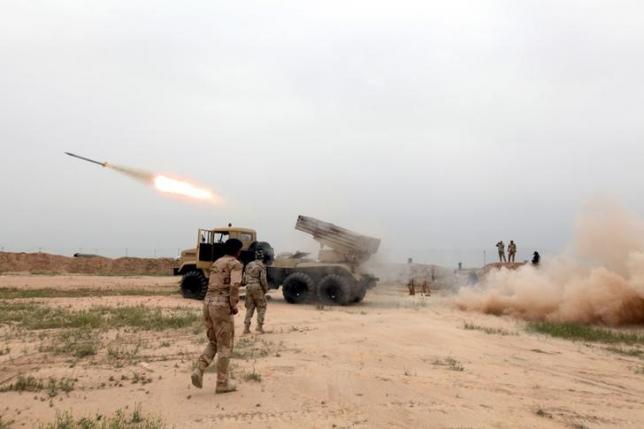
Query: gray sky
point(440, 127)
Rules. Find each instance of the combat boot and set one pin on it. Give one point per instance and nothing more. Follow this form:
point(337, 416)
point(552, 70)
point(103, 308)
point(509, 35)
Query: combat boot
point(246, 329)
point(259, 329)
point(197, 378)
point(225, 388)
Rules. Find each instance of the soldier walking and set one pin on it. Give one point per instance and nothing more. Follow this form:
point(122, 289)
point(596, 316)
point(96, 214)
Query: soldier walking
point(501, 247)
point(512, 251)
point(220, 305)
point(256, 288)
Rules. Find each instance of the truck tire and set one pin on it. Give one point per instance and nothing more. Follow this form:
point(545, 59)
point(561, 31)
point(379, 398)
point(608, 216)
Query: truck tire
point(335, 289)
point(194, 285)
point(298, 288)
point(359, 292)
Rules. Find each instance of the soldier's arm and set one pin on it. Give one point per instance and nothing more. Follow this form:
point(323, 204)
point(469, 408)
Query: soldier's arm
point(263, 282)
point(235, 282)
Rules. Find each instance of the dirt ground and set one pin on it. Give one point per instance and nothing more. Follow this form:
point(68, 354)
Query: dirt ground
point(393, 361)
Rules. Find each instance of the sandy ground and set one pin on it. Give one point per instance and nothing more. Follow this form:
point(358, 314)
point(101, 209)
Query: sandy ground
point(82, 281)
point(384, 363)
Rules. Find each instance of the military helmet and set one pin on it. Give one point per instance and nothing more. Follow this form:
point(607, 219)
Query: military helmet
point(259, 254)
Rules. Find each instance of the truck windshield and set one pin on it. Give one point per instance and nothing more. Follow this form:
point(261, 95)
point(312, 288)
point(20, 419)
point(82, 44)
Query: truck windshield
point(221, 237)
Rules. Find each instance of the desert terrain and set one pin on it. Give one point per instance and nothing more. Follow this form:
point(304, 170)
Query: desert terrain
point(80, 346)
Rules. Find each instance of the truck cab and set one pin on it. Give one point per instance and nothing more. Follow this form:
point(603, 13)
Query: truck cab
point(194, 264)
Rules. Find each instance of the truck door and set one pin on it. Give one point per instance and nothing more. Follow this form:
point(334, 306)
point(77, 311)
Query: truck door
point(211, 245)
point(205, 248)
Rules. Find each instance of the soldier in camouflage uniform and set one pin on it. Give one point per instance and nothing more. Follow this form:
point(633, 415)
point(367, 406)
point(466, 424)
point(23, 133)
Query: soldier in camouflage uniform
point(220, 305)
point(501, 248)
point(411, 272)
point(512, 251)
point(428, 281)
point(256, 288)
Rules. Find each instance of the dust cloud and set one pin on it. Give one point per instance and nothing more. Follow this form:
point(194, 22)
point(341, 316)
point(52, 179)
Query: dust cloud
point(600, 279)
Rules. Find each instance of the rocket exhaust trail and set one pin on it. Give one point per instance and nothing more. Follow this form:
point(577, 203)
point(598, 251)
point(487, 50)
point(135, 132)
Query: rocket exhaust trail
point(162, 183)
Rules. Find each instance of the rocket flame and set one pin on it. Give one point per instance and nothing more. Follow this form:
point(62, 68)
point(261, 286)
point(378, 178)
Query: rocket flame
point(181, 187)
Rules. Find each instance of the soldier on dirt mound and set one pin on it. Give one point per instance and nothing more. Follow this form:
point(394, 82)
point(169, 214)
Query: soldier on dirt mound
point(256, 287)
point(501, 248)
point(512, 251)
point(220, 306)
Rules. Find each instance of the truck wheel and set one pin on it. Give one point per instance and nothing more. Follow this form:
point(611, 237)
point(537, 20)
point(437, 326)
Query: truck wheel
point(335, 289)
point(359, 292)
point(194, 285)
point(298, 288)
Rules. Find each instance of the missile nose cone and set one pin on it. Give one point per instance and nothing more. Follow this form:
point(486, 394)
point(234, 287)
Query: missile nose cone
point(73, 155)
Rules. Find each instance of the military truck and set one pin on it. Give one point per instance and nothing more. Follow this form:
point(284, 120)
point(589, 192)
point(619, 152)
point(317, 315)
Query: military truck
point(336, 277)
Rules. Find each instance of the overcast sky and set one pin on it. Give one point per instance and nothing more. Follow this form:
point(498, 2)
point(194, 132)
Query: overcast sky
point(439, 126)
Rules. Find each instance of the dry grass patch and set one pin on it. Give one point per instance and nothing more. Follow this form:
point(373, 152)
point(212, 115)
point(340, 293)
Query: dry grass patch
point(5, 424)
point(32, 384)
point(629, 352)
point(490, 331)
point(591, 334)
point(123, 351)
point(252, 376)
point(251, 348)
point(35, 316)
point(451, 364)
point(119, 420)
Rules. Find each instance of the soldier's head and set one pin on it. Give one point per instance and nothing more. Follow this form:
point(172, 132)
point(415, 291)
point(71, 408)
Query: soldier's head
point(233, 247)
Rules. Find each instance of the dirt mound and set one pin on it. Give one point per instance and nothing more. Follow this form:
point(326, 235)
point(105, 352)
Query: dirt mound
point(45, 263)
point(499, 265)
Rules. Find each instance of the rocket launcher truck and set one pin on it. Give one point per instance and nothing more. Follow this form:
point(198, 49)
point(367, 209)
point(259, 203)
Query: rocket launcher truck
point(336, 277)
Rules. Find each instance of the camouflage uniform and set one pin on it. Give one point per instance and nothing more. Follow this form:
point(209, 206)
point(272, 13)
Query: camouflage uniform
point(411, 283)
point(219, 307)
point(424, 287)
point(512, 251)
point(412, 287)
point(501, 248)
point(256, 287)
point(427, 282)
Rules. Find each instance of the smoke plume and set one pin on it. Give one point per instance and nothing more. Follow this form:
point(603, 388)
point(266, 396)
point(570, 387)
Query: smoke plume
point(599, 280)
point(134, 173)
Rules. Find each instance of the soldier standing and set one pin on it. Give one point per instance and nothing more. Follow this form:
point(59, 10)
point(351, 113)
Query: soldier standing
point(501, 247)
point(425, 287)
point(428, 281)
point(256, 288)
point(411, 274)
point(411, 286)
point(512, 251)
point(220, 305)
